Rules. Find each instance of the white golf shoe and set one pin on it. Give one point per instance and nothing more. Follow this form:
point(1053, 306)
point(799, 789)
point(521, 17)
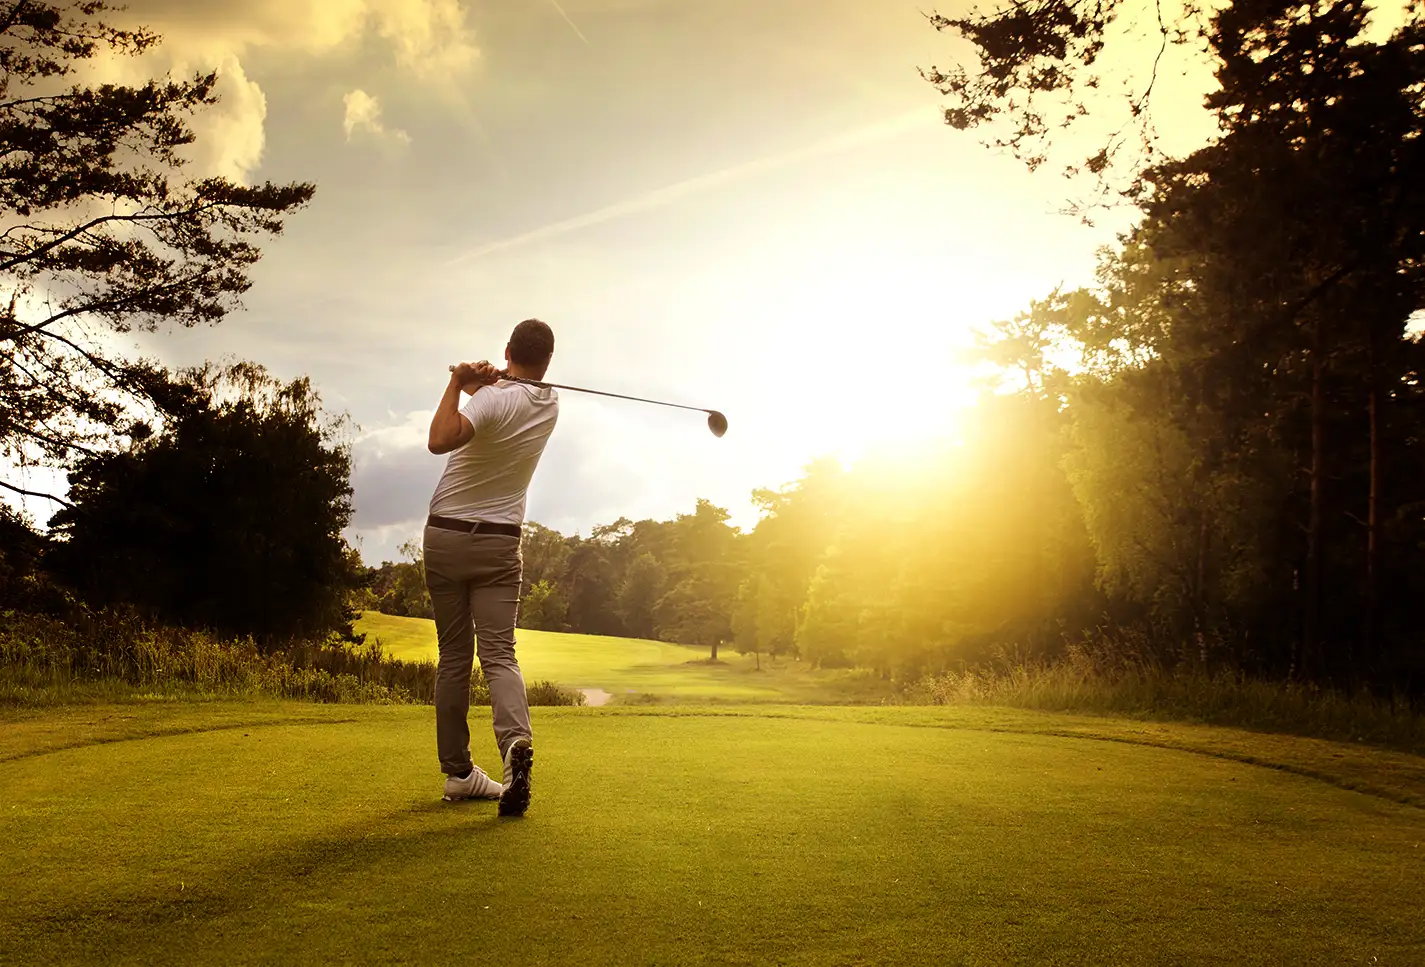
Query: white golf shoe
point(477, 785)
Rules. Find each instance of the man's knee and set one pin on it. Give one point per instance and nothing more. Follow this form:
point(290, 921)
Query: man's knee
point(497, 657)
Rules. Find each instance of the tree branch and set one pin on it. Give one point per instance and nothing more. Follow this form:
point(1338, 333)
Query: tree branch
point(102, 365)
point(40, 99)
point(35, 493)
point(60, 444)
point(93, 307)
point(14, 15)
point(101, 220)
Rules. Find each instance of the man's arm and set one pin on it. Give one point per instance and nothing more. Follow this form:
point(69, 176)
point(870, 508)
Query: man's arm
point(449, 430)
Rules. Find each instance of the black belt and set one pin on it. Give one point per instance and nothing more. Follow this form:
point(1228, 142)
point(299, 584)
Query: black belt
point(473, 526)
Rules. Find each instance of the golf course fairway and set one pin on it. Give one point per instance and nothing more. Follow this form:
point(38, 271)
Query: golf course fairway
point(629, 669)
point(282, 833)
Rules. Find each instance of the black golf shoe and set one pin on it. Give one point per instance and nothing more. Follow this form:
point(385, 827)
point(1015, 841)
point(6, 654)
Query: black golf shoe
point(519, 763)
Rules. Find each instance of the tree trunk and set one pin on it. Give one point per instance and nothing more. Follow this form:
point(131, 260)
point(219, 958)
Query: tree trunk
point(1368, 642)
point(1199, 597)
point(1311, 643)
point(714, 651)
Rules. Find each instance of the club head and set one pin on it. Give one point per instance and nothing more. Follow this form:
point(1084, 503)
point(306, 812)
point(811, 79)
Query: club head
point(717, 423)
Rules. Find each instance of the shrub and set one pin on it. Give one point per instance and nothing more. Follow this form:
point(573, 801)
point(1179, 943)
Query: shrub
point(1109, 677)
point(550, 693)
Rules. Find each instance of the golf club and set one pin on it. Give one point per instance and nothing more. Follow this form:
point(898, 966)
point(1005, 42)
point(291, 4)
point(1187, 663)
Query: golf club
point(716, 421)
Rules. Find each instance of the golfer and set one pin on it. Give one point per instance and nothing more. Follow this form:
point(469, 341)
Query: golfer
point(472, 556)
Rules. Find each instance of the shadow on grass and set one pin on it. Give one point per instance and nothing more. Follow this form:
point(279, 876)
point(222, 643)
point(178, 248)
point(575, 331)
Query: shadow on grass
point(83, 742)
point(432, 827)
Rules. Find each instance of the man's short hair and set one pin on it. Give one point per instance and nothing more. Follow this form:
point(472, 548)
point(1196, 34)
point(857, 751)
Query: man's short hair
point(532, 343)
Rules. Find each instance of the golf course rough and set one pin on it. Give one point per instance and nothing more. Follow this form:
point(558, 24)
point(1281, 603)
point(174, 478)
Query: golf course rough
point(279, 833)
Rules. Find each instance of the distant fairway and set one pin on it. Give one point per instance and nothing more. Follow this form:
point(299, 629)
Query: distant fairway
point(626, 668)
point(296, 834)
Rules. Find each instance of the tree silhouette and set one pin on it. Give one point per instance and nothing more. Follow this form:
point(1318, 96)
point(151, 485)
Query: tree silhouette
point(229, 518)
point(102, 234)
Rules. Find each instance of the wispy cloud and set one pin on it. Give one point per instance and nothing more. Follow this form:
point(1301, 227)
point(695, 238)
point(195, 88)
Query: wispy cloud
point(570, 21)
point(693, 186)
point(363, 113)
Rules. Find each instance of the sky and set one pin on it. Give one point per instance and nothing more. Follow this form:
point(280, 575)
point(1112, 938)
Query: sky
point(748, 205)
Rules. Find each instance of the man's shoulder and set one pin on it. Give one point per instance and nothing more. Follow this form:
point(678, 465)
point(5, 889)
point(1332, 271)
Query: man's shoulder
point(536, 394)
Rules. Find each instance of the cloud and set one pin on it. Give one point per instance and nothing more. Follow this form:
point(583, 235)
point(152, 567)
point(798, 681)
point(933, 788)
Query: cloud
point(429, 40)
point(430, 37)
point(393, 474)
point(363, 113)
point(231, 136)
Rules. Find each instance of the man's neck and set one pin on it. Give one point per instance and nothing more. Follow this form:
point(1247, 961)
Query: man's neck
point(525, 372)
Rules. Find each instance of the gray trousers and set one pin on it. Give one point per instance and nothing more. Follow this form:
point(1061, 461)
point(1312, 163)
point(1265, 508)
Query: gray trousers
point(474, 582)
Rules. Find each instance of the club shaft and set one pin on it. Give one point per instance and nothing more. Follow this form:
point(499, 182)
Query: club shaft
point(598, 392)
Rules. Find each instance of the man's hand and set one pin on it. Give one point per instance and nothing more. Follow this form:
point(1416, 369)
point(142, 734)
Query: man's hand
point(471, 376)
point(449, 430)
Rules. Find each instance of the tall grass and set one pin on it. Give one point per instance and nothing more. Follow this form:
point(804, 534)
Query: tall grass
point(1104, 677)
point(105, 656)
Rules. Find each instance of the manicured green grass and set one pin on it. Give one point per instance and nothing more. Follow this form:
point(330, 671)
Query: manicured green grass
point(631, 669)
point(293, 834)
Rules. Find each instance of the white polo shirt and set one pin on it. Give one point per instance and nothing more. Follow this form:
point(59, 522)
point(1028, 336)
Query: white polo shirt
point(488, 478)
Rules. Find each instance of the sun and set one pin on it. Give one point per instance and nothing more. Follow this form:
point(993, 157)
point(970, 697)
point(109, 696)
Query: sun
point(888, 346)
point(922, 415)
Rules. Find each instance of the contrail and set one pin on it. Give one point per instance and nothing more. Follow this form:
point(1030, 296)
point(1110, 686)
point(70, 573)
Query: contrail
point(692, 186)
point(571, 23)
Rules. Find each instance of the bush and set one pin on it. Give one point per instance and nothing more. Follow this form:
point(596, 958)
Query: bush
point(1110, 677)
point(549, 693)
point(106, 654)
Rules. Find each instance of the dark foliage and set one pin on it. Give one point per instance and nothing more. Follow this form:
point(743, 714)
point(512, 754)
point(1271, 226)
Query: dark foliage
point(396, 588)
point(229, 518)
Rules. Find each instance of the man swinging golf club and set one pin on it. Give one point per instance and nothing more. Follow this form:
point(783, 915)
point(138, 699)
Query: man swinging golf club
point(472, 556)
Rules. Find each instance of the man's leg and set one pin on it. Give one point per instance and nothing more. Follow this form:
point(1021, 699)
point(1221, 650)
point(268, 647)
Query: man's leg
point(494, 602)
point(495, 608)
point(455, 631)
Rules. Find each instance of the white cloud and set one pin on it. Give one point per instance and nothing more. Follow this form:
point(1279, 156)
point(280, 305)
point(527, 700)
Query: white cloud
point(363, 113)
point(430, 38)
point(231, 136)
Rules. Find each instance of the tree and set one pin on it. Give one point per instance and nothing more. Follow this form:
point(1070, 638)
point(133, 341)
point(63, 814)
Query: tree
point(1251, 326)
point(23, 584)
point(591, 589)
point(229, 518)
point(399, 588)
point(638, 595)
point(783, 552)
point(103, 236)
point(703, 568)
point(546, 556)
point(543, 608)
point(1035, 76)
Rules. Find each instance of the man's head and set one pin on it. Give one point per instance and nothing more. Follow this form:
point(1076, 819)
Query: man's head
point(530, 348)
